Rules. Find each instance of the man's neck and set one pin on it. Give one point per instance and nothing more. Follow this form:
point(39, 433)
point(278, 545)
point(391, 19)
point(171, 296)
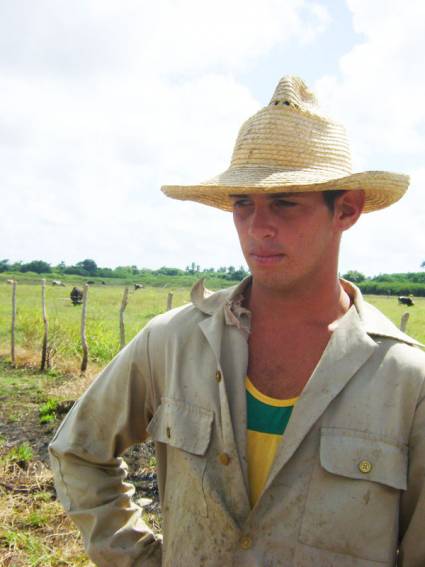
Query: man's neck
point(311, 304)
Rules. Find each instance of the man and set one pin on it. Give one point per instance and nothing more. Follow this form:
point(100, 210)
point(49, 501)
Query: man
point(288, 414)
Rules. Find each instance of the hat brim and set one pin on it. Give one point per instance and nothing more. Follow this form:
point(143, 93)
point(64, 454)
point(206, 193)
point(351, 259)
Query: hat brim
point(381, 188)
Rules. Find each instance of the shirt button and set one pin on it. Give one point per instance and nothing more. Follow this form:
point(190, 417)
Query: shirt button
point(218, 376)
point(245, 542)
point(224, 458)
point(365, 467)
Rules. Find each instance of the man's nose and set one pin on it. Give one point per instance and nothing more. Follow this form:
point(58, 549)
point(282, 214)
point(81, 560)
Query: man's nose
point(261, 224)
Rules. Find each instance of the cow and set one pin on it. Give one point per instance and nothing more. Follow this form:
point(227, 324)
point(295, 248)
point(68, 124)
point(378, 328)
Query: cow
point(90, 282)
point(76, 296)
point(58, 282)
point(406, 300)
point(10, 282)
point(138, 286)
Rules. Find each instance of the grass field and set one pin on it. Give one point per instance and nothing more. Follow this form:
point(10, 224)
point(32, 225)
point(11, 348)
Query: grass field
point(103, 318)
point(64, 318)
point(390, 307)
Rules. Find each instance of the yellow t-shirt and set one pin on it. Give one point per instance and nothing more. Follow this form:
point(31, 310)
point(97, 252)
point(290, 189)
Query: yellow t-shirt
point(267, 419)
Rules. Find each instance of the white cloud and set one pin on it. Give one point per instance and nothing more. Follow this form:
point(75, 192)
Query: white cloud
point(379, 96)
point(104, 102)
point(390, 240)
point(380, 93)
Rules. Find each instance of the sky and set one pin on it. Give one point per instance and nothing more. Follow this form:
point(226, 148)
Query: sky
point(103, 101)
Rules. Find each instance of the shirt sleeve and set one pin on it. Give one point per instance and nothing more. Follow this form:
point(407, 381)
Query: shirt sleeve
point(90, 476)
point(412, 521)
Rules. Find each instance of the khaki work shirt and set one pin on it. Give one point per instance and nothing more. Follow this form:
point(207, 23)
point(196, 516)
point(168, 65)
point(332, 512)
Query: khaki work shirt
point(347, 485)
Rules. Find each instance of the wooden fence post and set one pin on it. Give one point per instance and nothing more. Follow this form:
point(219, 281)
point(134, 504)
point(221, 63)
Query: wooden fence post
point(122, 309)
point(403, 322)
point(169, 301)
point(12, 335)
point(85, 360)
point(45, 363)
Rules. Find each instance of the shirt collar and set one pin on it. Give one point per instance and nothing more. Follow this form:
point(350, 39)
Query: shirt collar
point(375, 323)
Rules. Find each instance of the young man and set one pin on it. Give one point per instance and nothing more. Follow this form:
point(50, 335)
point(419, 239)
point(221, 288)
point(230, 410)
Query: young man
point(288, 414)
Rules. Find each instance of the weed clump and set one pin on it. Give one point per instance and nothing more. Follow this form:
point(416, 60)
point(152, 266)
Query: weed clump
point(47, 411)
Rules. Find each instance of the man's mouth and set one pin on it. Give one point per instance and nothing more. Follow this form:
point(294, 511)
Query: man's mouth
point(266, 258)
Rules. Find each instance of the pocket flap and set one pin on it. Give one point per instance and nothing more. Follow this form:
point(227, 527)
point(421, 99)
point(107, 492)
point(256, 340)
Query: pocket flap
point(182, 425)
point(358, 455)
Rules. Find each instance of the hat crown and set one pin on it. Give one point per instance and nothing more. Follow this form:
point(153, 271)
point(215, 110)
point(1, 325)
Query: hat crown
point(292, 91)
point(293, 134)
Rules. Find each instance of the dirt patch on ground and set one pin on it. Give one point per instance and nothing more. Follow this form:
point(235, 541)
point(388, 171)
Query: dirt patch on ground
point(33, 527)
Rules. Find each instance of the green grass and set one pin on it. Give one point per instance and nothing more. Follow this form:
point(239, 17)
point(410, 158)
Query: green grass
point(47, 411)
point(102, 328)
point(21, 454)
point(390, 307)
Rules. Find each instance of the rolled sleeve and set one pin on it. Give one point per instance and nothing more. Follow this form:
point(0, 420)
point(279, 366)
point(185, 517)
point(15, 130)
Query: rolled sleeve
point(90, 475)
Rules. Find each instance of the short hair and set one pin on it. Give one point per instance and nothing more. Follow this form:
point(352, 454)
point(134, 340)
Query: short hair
point(330, 196)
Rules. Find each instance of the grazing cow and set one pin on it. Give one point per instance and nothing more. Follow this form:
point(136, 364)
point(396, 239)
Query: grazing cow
point(76, 296)
point(103, 283)
point(11, 282)
point(58, 282)
point(138, 286)
point(406, 300)
point(90, 282)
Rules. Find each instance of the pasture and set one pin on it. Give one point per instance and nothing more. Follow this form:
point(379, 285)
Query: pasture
point(390, 307)
point(102, 328)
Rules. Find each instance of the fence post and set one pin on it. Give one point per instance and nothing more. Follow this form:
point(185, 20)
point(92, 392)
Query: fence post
point(45, 363)
point(12, 335)
point(169, 301)
point(83, 330)
point(403, 322)
point(122, 309)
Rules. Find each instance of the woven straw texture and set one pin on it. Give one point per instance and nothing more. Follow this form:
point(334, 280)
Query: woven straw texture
point(292, 146)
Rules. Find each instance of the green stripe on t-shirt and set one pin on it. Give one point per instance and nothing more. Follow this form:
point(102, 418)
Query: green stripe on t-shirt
point(266, 418)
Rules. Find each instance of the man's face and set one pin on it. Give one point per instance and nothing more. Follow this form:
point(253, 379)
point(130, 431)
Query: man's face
point(287, 239)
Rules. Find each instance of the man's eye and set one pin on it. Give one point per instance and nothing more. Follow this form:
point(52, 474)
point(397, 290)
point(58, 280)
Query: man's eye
point(239, 203)
point(283, 203)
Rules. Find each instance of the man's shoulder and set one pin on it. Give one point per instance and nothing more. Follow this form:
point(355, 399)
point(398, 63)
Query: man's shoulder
point(400, 347)
point(181, 320)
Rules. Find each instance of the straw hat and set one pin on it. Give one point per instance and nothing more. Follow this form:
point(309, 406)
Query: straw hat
point(292, 146)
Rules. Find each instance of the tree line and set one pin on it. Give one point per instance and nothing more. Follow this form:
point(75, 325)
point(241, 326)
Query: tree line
point(389, 284)
point(382, 284)
point(88, 268)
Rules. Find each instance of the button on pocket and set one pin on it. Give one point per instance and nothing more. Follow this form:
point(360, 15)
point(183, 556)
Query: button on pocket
point(365, 467)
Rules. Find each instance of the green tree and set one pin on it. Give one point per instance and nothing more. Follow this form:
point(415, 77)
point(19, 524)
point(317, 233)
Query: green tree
point(4, 265)
point(37, 266)
point(89, 266)
point(354, 276)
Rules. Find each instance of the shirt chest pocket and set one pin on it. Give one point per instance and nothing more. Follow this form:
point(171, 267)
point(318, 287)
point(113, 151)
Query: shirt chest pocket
point(185, 430)
point(353, 498)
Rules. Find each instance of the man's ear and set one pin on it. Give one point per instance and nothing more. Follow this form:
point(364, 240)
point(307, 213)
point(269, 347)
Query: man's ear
point(348, 208)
